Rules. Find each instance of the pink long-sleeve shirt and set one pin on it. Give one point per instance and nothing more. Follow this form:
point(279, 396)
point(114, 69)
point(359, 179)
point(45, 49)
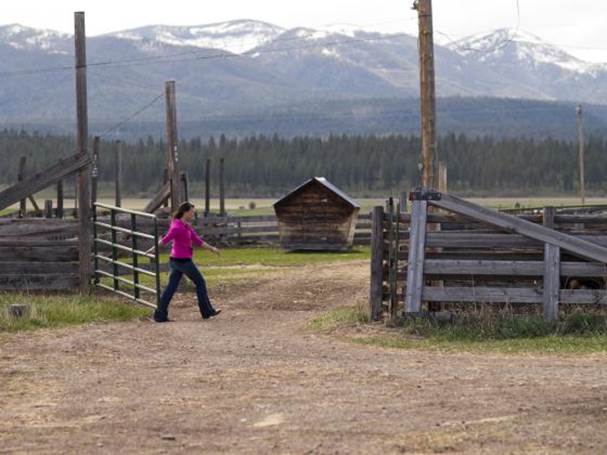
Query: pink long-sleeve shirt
point(183, 236)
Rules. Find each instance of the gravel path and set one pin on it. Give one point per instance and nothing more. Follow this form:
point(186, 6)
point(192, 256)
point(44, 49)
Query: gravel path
point(256, 380)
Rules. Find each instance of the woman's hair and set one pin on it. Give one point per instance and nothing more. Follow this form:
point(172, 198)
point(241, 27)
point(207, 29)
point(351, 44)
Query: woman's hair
point(183, 207)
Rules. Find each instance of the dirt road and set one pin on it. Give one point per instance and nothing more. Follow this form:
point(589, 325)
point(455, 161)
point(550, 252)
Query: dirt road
point(256, 380)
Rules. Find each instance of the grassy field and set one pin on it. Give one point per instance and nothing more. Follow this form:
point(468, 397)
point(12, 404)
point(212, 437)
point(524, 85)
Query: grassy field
point(50, 311)
point(575, 334)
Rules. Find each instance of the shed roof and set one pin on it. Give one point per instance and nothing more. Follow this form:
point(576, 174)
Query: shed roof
point(324, 182)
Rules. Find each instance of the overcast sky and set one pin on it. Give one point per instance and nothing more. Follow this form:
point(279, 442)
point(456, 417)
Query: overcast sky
point(576, 25)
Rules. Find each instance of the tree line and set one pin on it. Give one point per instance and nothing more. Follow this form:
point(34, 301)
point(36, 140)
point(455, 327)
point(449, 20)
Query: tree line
point(361, 165)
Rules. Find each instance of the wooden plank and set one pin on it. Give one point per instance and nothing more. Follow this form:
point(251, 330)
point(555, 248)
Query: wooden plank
point(29, 268)
point(38, 282)
point(577, 246)
point(38, 254)
point(415, 270)
point(482, 294)
point(512, 295)
point(159, 199)
point(474, 267)
point(41, 180)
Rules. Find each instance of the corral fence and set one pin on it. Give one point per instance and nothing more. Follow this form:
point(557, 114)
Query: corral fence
point(450, 251)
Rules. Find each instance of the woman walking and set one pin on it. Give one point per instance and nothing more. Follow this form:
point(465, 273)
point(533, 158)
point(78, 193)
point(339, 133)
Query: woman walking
point(183, 235)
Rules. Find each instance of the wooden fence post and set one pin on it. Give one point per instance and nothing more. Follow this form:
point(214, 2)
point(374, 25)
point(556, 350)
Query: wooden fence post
point(60, 199)
point(403, 202)
point(172, 143)
point(377, 264)
point(84, 183)
point(184, 182)
point(20, 177)
point(415, 268)
point(118, 173)
point(552, 275)
point(222, 194)
point(207, 188)
point(48, 208)
point(95, 169)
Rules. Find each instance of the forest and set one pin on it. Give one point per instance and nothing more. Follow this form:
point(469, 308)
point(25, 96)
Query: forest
point(259, 166)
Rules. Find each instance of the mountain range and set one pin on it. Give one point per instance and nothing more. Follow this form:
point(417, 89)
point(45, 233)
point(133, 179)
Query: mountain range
point(247, 76)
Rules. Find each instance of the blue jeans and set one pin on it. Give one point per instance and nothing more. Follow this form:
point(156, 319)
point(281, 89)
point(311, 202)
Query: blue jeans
point(177, 269)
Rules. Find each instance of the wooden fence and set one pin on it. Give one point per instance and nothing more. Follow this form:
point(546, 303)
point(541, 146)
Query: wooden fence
point(42, 253)
point(448, 250)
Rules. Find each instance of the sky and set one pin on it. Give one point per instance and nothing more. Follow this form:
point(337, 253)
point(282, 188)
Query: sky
point(575, 25)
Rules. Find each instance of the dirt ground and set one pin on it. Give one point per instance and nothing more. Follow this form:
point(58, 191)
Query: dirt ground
point(257, 380)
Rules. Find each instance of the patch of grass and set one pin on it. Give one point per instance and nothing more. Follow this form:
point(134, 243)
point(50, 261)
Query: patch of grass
point(473, 327)
point(340, 317)
point(574, 334)
point(49, 311)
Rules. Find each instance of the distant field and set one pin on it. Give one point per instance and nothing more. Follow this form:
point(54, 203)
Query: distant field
point(263, 206)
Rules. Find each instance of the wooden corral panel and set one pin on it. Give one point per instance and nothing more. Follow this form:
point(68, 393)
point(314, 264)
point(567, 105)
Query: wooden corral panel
point(38, 255)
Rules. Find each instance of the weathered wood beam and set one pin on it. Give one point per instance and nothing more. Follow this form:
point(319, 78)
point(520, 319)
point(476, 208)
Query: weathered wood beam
point(415, 270)
point(511, 295)
point(574, 245)
point(377, 254)
point(43, 179)
point(158, 201)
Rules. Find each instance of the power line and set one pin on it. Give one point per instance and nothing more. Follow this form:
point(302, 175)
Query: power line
point(131, 117)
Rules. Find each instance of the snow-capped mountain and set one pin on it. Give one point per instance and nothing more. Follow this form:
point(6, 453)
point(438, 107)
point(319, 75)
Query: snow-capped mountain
point(233, 36)
point(515, 45)
point(275, 66)
point(20, 37)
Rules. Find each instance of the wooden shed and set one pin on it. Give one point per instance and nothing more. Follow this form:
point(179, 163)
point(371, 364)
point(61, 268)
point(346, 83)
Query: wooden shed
point(316, 216)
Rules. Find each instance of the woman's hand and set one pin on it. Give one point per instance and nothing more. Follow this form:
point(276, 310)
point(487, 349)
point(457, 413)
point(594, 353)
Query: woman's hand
point(215, 251)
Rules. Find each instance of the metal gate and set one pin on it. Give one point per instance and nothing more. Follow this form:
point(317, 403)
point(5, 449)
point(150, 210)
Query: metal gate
point(125, 240)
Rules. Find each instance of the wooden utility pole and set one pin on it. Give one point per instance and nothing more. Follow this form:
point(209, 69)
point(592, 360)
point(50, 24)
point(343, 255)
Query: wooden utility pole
point(165, 180)
point(442, 177)
point(118, 173)
point(95, 169)
point(84, 182)
point(222, 194)
point(427, 91)
point(207, 188)
point(172, 141)
point(580, 134)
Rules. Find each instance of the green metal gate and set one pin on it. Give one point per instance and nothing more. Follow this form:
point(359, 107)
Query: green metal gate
point(125, 245)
